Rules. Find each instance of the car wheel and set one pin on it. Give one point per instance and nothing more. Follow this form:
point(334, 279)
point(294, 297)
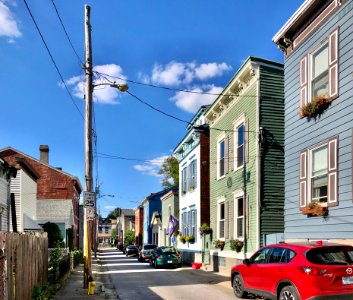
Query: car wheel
point(289, 293)
point(238, 286)
point(179, 265)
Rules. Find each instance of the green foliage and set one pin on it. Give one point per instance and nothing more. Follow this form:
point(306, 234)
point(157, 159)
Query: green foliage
point(54, 264)
point(190, 239)
point(113, 234)
point(236, 245)
point(182, 238)
point(129, 237)
point(40, 292)
point(170, 170)
point(316, 106)
point(115, 213)
point(78, 253)
point(54, 234)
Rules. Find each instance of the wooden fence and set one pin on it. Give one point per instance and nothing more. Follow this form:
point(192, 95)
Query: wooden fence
point(23, 264)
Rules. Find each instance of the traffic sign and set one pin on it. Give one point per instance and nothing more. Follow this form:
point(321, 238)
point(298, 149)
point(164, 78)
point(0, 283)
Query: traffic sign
point(90, 213)
point(89, 199)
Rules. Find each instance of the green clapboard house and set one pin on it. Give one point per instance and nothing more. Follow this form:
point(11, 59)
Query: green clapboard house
point(246, 164)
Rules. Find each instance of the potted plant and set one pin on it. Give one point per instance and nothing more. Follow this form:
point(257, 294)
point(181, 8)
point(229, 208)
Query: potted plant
point(182, 238)
point(315, 208)
point(190, 239)
point(236, 245)
point(219, 244)
point(204, 229)
point(316, 106)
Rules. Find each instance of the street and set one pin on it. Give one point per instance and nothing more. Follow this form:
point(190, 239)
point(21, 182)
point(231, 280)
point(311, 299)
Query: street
point(136, 280)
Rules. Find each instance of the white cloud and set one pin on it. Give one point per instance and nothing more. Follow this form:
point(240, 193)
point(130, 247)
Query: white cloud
point(177, 73)
point(151, 167)
point(191, 102)
point(8, 24)
point(101, 94)
point(210, 70)
point(109, 207)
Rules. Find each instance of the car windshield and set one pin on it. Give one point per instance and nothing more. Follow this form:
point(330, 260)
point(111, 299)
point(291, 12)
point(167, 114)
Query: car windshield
point(331, 255)
point(168, 250)
point(149, 247)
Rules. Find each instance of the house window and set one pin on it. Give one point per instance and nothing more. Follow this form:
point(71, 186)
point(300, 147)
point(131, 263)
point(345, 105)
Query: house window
point(221, 219)
point(221, 161)
point(239, 211)
point(192, 172)
point(319, 75)
point(240, 130)
point(319, 71)
point(318, 174)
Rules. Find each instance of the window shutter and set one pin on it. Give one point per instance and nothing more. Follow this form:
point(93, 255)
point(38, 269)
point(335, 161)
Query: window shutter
point(332, 199)
point(304, 81)
point(246, 217)
point(231, 219)
point(246, 141)
point(195, 173)
point(195, 224)
point(226, 154)
point(216, 164)
point(189, 222)
point(217, 220)
point(303, 176)
point(226, 218)
point(231, 152)
point(333, 64)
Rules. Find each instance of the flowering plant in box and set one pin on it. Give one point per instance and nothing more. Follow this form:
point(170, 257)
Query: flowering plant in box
point(316, 106)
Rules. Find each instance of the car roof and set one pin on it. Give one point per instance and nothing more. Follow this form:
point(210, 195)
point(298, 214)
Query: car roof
point(306, 245)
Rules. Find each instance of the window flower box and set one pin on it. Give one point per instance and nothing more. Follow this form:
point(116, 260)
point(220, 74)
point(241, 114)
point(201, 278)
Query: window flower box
point(316, 107)
point(204, 229)
point(236, 245)
point(315, 209)
point(219, 244)
point(190, 239)
point(182, 238)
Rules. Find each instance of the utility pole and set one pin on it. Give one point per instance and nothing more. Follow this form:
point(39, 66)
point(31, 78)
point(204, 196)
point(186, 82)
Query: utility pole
point(88, 145)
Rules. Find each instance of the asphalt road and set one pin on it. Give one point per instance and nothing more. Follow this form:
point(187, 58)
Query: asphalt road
point(136, 280)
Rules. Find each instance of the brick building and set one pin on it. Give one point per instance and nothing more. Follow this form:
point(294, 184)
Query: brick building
point(57, 192)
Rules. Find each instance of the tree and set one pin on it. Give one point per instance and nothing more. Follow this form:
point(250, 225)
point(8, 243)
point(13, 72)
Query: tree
point(129, 237)
point(115, 213)
point(54, 234)
point(170, 172)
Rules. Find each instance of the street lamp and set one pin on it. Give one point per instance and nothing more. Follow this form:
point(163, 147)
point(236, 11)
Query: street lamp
point(121, 87)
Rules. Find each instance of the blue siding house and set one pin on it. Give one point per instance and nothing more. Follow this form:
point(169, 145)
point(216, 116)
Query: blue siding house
point(318, 45)
point(151, 204)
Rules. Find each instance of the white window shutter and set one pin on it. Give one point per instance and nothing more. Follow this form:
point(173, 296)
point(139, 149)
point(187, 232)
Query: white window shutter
point(333, 64)
point(231, 151)
point(246, 140)
point(304, 81)
point(226, 154)
point(226, 232)
point(231, 219)
point(303, 177)
point(332, 194)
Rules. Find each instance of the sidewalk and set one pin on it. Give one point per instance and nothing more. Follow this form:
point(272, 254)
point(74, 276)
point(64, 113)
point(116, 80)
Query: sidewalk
point(73, 287)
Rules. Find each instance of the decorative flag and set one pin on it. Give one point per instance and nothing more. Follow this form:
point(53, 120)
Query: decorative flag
point(172, 225)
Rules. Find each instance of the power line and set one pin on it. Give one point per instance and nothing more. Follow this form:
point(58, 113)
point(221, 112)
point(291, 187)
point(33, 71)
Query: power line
point(166, 88)
point(52, 58)
point(67, 35)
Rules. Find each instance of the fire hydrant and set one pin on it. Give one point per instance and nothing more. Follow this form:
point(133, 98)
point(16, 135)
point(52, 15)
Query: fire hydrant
point(91, 285)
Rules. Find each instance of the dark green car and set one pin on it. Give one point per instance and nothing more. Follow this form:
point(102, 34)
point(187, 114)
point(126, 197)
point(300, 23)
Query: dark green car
point(165, 256)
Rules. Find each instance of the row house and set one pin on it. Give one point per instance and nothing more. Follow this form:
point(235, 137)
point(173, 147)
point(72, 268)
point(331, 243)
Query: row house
point(246, 123)
point(7, 173)
point(152, 216)
point(104, 232)
point(192, 154)
point(43, 193)
point(317, 44)
point(170, 209)
point(124, 222)
point(139, 225)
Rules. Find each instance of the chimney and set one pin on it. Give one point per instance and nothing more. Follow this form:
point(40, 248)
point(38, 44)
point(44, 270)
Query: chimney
point(44, 153)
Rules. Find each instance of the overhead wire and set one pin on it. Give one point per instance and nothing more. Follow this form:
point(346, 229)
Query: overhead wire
point(52, 58)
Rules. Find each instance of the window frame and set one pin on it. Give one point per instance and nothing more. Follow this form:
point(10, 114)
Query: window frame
point(237, 198)
point(305, 171)
point(221, 161)
point(220, 221)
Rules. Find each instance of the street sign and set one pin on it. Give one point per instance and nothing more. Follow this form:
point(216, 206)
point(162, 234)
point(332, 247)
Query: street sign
point(90, 213)
point(89, 199)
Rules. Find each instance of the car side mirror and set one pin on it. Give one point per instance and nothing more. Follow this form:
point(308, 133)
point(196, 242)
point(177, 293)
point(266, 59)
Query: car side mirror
point(246, 262)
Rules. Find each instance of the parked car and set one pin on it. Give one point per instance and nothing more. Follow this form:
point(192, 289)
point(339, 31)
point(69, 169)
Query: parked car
point(296, 271)
point(165, 256)
point(131, 250)
point(145, 252)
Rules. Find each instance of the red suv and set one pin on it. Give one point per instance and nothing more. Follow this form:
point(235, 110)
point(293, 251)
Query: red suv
point(297, 271)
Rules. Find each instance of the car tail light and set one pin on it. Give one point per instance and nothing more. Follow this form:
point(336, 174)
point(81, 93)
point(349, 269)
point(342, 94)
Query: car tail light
point(313, 270)
point(159, 256)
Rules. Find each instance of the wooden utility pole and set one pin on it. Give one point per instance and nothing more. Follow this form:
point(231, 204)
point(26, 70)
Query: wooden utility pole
point(88, 144)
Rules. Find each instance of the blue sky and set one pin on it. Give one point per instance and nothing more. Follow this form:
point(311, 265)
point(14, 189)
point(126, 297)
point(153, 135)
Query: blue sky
point(188, 45)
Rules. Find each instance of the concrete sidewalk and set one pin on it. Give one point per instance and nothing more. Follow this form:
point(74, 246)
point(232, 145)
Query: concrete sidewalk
point(73, 287)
